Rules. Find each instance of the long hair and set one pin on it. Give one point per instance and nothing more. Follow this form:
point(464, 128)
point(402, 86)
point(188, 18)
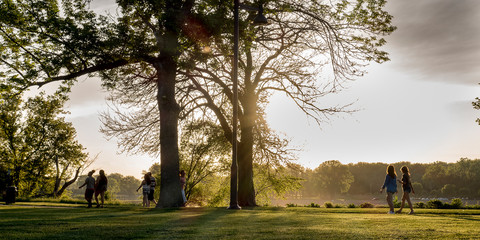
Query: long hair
point(147, 178)
point(405, 170)
point(391, 171)
point(102, 176)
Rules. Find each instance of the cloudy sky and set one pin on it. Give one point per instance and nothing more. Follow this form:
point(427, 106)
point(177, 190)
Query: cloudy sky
point(416, 108)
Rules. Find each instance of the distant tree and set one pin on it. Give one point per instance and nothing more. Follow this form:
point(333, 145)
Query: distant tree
point(203, 151)
point(114, 184)
point(418, 187)
point(436, 176)
point(38, 145)
point(367, 177)
point(332, 177)
point(466, 173)
point(449, 190)
point(154, 169)
point(129, 185)
point(309, 185)
point(122, 186)
point(274, 182)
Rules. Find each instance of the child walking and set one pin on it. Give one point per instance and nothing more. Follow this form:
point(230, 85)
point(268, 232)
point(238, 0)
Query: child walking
point(391, 185)
point(407, 189)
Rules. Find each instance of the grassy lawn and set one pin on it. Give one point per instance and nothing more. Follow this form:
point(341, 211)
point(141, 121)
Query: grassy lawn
point(73, 221)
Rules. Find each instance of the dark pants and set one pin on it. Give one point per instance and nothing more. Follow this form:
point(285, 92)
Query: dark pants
point(89, 196)
point(150, 194)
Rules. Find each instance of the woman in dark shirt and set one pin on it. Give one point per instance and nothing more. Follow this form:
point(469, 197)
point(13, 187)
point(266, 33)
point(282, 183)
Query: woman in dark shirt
point(407, 189)
point(101, 187)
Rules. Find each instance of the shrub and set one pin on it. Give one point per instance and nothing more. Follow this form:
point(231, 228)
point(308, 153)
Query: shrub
point(109, 195)
point(396, 203)
point(314, 205)
point(351, 205)
point(292, 205)
point(328, 205)
point(476, 206)
point(435, 203)
point(338, 206)
point(366, 205)
point(456, 203)
point(419, 205)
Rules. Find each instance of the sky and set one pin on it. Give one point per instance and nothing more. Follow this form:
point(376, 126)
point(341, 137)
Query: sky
point(416, 107)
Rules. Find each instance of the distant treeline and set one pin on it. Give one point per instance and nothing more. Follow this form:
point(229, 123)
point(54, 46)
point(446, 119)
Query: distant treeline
point(331, 179)
point(438, 179)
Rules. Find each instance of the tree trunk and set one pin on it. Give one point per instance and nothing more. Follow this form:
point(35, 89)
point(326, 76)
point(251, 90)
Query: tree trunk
point(166, 66)
point(170, 192)
point(246, 189)
point(68, 183)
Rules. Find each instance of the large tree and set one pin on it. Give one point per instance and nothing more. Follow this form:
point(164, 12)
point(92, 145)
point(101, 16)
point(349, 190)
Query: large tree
point(308, 51)
point(44, 42)
point(38, 145)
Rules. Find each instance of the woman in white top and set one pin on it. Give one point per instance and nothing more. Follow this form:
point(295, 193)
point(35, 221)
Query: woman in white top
point(145, 185)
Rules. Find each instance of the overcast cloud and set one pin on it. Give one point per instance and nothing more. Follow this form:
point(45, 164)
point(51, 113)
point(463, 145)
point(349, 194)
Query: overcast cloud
point(438, 38)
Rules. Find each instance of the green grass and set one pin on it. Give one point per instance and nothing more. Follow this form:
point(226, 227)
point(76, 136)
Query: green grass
point(71, 221)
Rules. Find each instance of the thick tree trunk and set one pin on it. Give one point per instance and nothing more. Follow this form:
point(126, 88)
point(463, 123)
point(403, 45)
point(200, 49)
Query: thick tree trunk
point(170, 192)
point(246, 189)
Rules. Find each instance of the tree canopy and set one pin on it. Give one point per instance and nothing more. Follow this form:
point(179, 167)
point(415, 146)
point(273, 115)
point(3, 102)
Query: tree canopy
point(37, 145)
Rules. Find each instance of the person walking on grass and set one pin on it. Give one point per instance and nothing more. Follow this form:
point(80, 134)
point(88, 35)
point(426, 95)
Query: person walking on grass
point(407, 189)
point(90, 189)
point(101, 188)
point(183, 181)
point(391, 185)
point(151, 195)
point(145, 186)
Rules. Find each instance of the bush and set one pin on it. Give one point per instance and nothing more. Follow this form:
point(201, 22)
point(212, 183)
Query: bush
point(366, 205)
point(419, 205)
point(339, 206)
point(396, 203)
point(351, 205)
point(456, 203)
point(328, 205)
point(292, 205)
point(434, 203)
point(476, 206)
point(109, 195)
point(314, 205)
